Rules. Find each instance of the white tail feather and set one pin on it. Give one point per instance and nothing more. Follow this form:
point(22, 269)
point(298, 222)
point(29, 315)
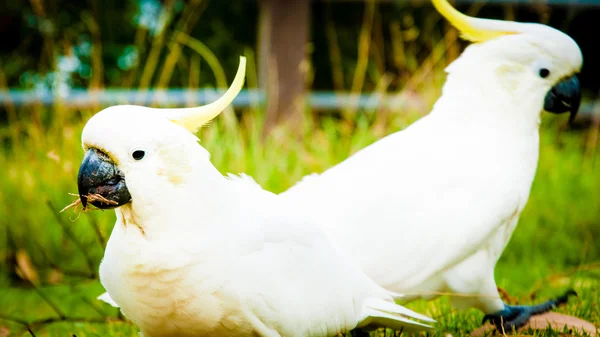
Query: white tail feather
point(107, 299)
point(395, 309)
point(381, 313)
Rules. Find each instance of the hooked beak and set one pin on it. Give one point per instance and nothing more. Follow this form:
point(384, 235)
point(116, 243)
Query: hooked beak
point(564, 97)
point(99, 175)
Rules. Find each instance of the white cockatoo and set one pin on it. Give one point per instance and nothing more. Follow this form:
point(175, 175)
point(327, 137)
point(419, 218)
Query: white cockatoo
point(194, 253)
point(448, 190)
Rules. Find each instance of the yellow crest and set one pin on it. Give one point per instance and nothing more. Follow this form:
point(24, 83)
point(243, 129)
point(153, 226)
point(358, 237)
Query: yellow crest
point(193, 118)
point(472, 29)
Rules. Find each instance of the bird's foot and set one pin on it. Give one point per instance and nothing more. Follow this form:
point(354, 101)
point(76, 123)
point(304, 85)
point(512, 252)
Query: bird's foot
point(516, 316)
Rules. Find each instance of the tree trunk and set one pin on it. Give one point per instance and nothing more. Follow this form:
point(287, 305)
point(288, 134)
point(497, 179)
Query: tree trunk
point(283, 36)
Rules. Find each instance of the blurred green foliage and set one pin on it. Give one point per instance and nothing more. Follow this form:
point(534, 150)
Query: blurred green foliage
point(56, 44)
point(556, 244)
point(49, 260)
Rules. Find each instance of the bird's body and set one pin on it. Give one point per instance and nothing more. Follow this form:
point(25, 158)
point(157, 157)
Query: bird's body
point(429, 209)
point(179, 283)
point(268, 277)
point(194, 253)
point(429, 201)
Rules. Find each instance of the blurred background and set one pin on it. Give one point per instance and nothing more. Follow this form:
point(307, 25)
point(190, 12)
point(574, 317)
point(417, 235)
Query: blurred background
point(325, 78)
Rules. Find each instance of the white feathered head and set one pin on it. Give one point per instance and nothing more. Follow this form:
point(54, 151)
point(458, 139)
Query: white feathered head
point(529, 61)
point(153, 148)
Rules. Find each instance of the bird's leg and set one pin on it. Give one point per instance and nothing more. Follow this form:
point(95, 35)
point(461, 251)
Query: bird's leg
point(516, 316)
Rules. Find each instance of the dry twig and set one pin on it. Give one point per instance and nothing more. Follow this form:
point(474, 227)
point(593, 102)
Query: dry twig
point(90, 198)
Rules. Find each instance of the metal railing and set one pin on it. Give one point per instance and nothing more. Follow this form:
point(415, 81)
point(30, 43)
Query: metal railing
point(326, 100)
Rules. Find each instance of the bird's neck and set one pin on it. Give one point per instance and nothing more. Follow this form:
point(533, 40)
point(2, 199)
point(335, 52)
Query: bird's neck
point(487, 121)
point(206, 202)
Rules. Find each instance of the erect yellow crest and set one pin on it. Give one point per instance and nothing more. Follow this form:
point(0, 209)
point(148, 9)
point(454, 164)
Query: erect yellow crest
point(193, 118)
point(472, 29)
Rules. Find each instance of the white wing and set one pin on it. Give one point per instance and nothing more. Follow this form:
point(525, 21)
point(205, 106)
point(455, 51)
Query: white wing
point(306, 288)
point(291, 281)
point(107, 299)
point(418, 201)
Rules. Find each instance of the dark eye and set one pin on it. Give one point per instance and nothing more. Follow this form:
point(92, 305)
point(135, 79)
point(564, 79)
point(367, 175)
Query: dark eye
point(138, 154)
point(544, 72)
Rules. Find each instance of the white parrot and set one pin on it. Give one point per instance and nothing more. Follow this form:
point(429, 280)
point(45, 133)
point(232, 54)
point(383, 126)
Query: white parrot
point(194, 253)
point(448, 190)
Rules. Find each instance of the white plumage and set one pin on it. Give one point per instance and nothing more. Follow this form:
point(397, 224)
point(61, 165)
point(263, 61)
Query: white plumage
point(194, 253)
point(430, 209)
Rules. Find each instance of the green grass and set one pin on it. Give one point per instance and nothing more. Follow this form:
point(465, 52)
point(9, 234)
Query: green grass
point(49, 260)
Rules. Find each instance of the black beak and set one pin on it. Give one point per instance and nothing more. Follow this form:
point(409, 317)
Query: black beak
point(98, 175)
point(564, 97)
